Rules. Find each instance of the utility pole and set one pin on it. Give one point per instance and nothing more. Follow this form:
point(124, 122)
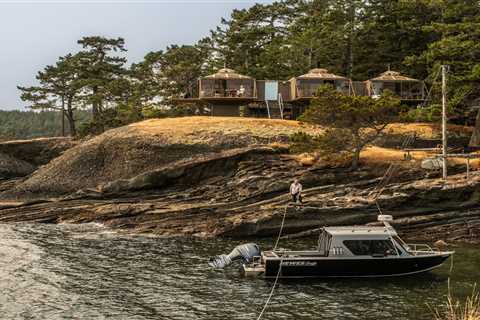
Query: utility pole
point(444, 120)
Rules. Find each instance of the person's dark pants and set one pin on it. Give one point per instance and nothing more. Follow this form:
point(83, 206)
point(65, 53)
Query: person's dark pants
point(296, 197)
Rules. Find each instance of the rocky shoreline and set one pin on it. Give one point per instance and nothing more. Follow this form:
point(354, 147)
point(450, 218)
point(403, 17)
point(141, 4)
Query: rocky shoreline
point(243, 192)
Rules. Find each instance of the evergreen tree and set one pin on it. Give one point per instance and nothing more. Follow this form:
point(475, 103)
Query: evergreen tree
point(58, 90)
point(101, 74)
point(354, 121)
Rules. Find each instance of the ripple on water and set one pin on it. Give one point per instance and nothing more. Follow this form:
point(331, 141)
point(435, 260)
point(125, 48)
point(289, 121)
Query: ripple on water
point(90, 272)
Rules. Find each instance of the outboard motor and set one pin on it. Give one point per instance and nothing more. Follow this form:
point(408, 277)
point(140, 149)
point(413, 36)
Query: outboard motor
point(243, 253)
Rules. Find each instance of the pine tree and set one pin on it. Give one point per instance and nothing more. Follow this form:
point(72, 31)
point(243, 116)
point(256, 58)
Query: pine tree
point(58, 90)
point(101, 74)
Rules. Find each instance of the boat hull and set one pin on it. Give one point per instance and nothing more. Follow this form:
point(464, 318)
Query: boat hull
point(324, 267)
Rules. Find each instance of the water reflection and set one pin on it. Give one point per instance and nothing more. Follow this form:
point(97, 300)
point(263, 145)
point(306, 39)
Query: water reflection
point(89, 272)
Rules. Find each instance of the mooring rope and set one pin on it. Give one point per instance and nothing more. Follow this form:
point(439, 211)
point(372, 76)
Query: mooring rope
point(271, 292)
point(281, 227)
point(279, 266)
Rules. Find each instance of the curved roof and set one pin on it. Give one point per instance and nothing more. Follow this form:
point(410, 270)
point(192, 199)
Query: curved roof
point(319, 73)
point(392, 76)
point(226, 74)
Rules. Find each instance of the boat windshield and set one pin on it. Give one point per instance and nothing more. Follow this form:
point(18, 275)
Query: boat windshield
point(371, 247)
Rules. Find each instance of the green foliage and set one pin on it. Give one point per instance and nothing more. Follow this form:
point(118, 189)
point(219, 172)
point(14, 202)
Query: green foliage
point(455, 35)
point(101, 74)
point(356, 38)
point(58, 89)
point(34, 124)
point(181, 65)
point(330, 146)
point(353, 121)
point(302, 142)
point(428, 114)
point(182, 110)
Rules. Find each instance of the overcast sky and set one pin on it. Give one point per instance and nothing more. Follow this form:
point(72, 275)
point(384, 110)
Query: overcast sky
point(35, 33)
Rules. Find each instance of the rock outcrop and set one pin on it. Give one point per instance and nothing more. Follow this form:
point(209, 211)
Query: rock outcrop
point(130, 151)
point(230, 177)
point(37, 152)
point(20, 158)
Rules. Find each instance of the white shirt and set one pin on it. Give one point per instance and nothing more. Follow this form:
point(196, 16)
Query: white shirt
point(295, 188)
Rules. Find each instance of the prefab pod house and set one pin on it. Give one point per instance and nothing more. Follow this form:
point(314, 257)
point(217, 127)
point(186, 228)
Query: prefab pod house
point(227, 83)
point(408, 89)
point(226, 90)
point(304, 87)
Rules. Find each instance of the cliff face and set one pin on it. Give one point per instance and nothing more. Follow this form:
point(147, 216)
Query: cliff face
point(236, 185)
point(22, 157)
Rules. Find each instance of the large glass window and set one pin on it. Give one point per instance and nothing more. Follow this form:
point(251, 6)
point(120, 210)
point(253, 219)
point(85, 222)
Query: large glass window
point(370, 247)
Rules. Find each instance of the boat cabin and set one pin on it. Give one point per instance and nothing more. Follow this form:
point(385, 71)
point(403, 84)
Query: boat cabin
point(408, 89)
point(360, 241)
point(304, 87)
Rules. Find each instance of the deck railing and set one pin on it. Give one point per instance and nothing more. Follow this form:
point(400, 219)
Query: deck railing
point(227, 93)
point(415, 248)
point(309, 92)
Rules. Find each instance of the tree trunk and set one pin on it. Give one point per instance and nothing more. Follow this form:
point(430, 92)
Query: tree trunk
point(70, 117)
point(475, 138)
point(97, 112)
point(63, 116)
point(310, 55)
point(71, 123)
point(95, 108)
point(351, 35)
point(357, 148)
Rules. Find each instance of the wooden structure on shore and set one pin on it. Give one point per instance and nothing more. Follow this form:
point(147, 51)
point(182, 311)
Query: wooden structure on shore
point(226, 90)
point(229, 93)
point(303, 88)
point(407, 89)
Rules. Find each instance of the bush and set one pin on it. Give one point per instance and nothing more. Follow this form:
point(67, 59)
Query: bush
point(329, 146)
point(454, 310)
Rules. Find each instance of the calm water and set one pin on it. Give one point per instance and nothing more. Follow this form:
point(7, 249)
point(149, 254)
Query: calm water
point(87, 272)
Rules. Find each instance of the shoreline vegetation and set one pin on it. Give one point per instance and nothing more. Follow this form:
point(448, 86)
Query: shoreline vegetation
point(454, 309)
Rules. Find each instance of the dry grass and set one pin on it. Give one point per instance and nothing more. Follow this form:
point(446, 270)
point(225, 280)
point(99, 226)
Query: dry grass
point(426, 130)
point(197, 128)
point(382, 155)
point(455, 310)
point(306, 159)
point(190, 126)
point(378, 155)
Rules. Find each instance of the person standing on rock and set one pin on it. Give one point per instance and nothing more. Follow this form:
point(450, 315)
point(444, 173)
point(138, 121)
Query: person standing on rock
point(296, 191)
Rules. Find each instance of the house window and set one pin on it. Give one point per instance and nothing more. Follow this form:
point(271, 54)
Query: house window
point(371, 247)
